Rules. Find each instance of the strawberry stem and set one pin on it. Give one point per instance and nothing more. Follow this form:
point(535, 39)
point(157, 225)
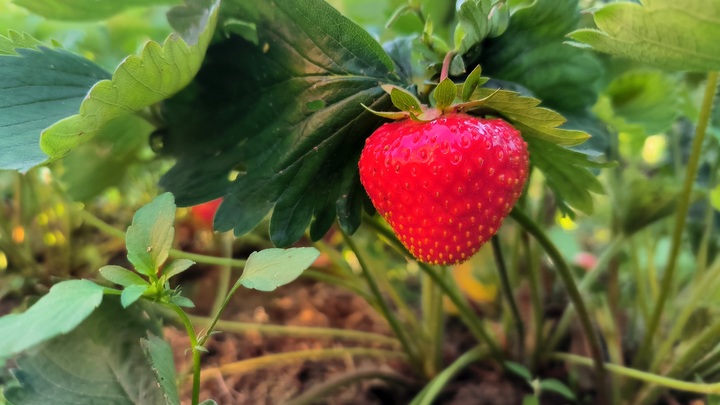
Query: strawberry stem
point(509, 296)
point(446, 65)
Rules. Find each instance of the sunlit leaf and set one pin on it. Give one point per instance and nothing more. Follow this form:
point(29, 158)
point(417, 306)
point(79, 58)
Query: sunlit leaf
point(151, 234)
point(140, 81)
point(269, 269)
point(84, 10)
point(121, 276)
point(665, 33)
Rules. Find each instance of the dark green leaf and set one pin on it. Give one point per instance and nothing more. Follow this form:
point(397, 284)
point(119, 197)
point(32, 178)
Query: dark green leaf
point(100, 362)
point(142, 80)
point(181, 301)
point(558, 387)
point(84, 10)
point(122, 276)
point(246, 30)
point(61, 310)
point(519, 370)
point(567, 174)
point(160, 355)
point(269, 269)
point(445, 93)
point(532, 53)
point(151, 234)
point(255, 116)
point(531, 400)
point(665, 33)
point(132, 293)
point(176, 267)
point(104, 161)
point(473, 24)
point(38, 87)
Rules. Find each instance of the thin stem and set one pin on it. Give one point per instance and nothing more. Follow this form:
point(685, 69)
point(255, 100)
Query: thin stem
point(193, 348)
point(384, 308)
point(224, 271)
point(318, 391)
point(297, 331)
point(566, 275)
point(681, 216)
point(446, 65)
point(431, 391)
point(509, 295)
point(536, 300)
point(643, 375)
point(280, 359)
point(174, 253)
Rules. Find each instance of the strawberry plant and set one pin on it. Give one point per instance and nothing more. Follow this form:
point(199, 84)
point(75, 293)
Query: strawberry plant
point(386, 143)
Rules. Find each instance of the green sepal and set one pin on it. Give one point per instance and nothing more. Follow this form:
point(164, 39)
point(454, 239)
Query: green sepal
point(393, 115)
point(445, 94)
point(472, 82)
point(403, 99)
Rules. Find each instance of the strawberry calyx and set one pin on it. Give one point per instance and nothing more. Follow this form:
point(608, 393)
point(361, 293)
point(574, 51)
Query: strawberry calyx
point(446, 98)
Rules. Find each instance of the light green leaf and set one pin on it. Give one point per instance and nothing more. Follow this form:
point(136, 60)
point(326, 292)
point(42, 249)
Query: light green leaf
point(471, 83)
point(100, 362)
point(445, 93)
point(567, 174)
point(474, 24)
point(525, 115)
point(403, 99)
point(176, 267)
point(151, 234)
point(558, 387)
point(181, 301)
point(241, 28)
point(105, 161)
point(519, 370)
point(269, 269)
point(665, 33)
point(84, 10)
point(646, 99)
point(156, 74)
point(160, 355)
point(38, 86)
point(122, 276)
point(59, 311)
point(132, 293)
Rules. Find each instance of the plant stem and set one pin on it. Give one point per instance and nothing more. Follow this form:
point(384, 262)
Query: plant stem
point(431, 391)
point(643, 375)
point(279, 359)
point(224, 272)
point(314, 394)
point(446, 65)
point(509, 295)
point(384, 308)
point(680, 217)
point(297, 331)
point(566, 275)
point(535, 299)
point(193, 348)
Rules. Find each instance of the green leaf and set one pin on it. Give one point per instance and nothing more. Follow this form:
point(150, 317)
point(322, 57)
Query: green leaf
point(445, 93)
point(84, 10)
point(122, 276)
point(176, 267)
point(403, 99)
point(640, 201)
point(104, 161)
point(160, 355)
point(567, 174)
point(525, 115)
point(474, 23)
point(181, 301)
point(156, 74)
point(519, 370)
point(471, 83)
point(664, 33)
point(100, 362)
point(132, 293)
point(645, 99)
point(151, 234)
point(558, 387)
point(255, 117)
point(59, 311)
point(246, 30)
point(532, 53)
point(38, 86)
point(531, 400)
point(269, 269)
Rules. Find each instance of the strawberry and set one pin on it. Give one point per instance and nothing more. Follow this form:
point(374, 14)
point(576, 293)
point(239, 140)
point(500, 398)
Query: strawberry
point(205, 212)
point(445, 184)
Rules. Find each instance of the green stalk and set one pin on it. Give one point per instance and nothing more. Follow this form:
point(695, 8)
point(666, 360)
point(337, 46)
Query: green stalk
point(224, 272)
point(431, 391)
point(392, 320)
point(280, 359)
point(572, 290)
point(666, 382)
point(297, 331)
point(509, 295)
point(194, 346)
point(680, 217)
point(536, 301)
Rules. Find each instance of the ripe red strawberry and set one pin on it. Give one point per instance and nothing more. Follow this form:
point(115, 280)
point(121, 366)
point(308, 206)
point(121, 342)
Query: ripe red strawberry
point(445, 185)
point(205, 212)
